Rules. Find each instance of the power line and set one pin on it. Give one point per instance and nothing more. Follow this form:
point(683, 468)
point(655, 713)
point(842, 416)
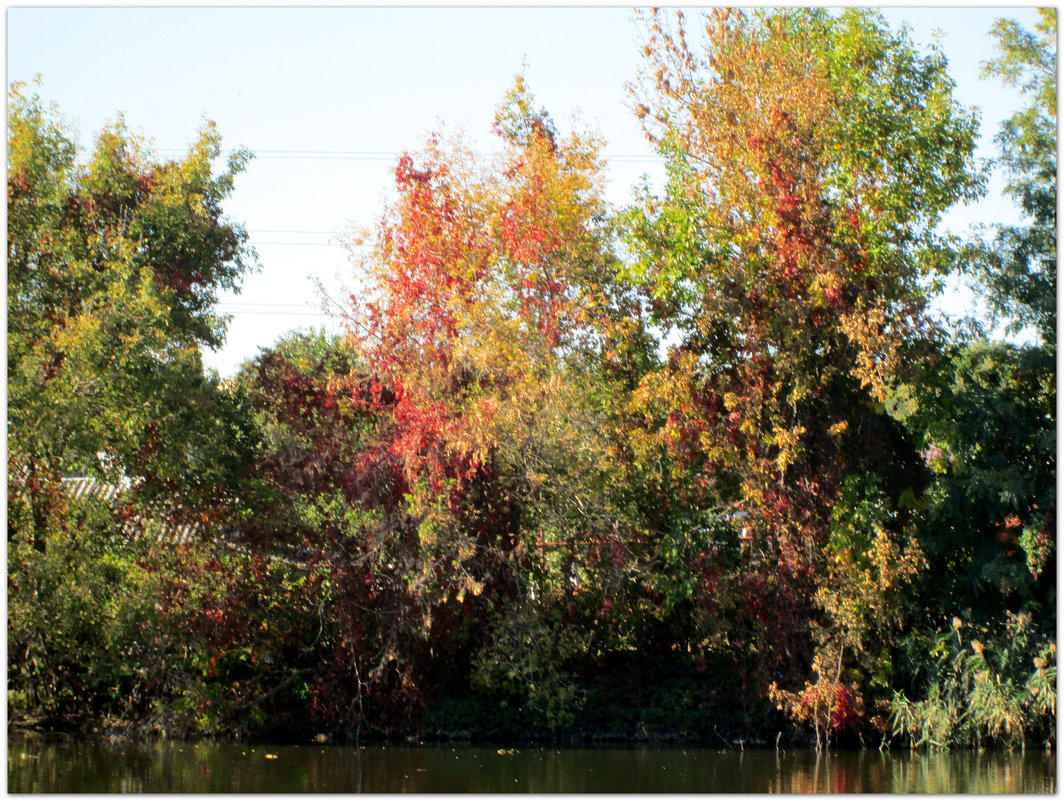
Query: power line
point(287, 231)
point(256, 303)
point(254, 313)
point(380, 155)
point(303, 244)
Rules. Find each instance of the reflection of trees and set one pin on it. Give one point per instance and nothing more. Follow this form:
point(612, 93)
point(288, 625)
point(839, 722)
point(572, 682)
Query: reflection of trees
point(957, 772)
point(210, 768)
point(906, 772)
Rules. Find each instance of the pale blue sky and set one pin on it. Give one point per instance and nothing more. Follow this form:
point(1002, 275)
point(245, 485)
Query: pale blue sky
point(327, 96)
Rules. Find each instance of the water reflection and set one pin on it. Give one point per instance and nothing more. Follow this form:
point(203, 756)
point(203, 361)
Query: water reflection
point(34, 766)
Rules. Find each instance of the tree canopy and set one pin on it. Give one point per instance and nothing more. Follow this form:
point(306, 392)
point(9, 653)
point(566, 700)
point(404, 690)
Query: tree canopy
point(114, 268)
point(1020, 275)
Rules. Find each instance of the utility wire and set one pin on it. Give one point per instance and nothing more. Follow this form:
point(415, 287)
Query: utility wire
point(268, 313)
point(378, 155)
point(287, 231)
point(256, 303)
point(302, 244)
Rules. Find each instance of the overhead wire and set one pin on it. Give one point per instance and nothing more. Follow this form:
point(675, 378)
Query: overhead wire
point(257, 309)
point(381, 155)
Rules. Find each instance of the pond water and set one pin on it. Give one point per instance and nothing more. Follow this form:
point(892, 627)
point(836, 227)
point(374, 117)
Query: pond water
point(79, 767)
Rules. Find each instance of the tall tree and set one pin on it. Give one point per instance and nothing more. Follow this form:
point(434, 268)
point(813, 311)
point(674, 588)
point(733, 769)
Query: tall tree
point(413, 465)
point(810, 157)
point(1020, 274)
point(986, 411)
point(114, 267)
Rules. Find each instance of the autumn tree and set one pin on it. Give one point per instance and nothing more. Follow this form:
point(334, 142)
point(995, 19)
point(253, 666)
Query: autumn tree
point(418, 466)
point(810, 157)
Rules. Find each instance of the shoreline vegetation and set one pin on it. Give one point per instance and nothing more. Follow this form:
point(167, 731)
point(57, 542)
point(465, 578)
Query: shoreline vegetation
point(703, 469)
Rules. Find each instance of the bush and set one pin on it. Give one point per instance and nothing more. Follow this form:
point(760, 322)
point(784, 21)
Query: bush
point(998, 692)
point(77, 616)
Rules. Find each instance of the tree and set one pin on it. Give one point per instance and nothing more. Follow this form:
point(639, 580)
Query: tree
point(984, 412)
point(984, 415)
point(114, 267)
point(489, 318)
point(327, 493)
point(810, 157)
point(1019, 273)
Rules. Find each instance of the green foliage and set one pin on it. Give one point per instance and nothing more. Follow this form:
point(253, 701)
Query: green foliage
point(527, 658)
point(81, 615)
point(1019, 273)
point(113, 270)
point(986, 417)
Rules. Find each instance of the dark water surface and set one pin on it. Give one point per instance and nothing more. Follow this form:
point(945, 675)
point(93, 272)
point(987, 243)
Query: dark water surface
point(79, 767)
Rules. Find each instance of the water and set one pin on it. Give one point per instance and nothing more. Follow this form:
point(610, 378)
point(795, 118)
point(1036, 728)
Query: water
point(78, 767)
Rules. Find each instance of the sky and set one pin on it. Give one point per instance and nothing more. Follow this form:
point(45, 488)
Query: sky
point(327, 97)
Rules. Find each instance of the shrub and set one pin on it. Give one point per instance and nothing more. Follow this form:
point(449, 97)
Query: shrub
point(998, 692)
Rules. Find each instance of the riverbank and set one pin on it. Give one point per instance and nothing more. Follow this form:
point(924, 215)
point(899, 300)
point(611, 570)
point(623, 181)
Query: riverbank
point(627, 701)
